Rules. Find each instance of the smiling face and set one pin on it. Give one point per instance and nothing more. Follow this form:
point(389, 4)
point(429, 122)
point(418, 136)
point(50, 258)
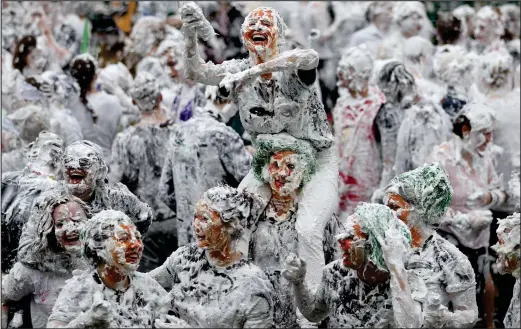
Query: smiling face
point(209, 229)
point(125, 248)
point(69, 219)
point(286, 172)
point(82, 169)
point(260, 33)
point(352, 244)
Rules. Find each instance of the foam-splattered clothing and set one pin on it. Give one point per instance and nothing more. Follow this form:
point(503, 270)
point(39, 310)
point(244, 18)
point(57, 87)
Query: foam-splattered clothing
point(138, 306)
point(465, 181)
point(202, 153)
point(272, 241)
point(512, 318)
point(44, 287)
point(288, 102)
point(349, 302)
point(19, 190)
point(439, 267)
point(137, 160)
point(424, 126)
point(359, 157)
point(238, 296)
point(388, 121)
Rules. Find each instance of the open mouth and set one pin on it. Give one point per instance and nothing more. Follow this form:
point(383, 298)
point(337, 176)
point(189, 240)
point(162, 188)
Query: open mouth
point(280, 182)
point(132, 257)
point(259, 38)
point(76, 176)
point(71, 239)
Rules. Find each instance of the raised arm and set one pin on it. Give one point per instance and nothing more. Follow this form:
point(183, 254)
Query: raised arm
point(194, 25)
point(313, 307)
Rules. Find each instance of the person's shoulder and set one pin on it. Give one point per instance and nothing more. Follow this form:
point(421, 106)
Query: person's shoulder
point(445, 246)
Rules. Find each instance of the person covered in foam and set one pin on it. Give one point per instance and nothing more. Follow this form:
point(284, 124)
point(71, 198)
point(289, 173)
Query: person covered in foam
point(496, 75)
point(368, 286)
point(276, 92)
point(420, 198)
point(211, 282)
point(379, 16)
point(20, 188)
point(399, 87)
point(110, 293)
point(137, 160)
point(360, 166)
point(510, 17)
point(508, 262)
point(286, 165)
point(488, 31)
point(201, 153)
point(409, 20)
point(467, 15)
point(454, 67)
point(86, 177)
point(48, 253)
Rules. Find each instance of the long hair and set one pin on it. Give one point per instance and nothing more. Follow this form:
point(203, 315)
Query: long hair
point(38, 247)
point(83, 69)
point(22, 50)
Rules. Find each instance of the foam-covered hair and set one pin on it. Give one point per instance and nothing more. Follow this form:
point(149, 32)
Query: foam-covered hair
point(495, 69)
point(99, 229)
point(480, 116)
point(359, 58)
point(44, 137)
point(403, 9)
point(376, 221)
point(29, 121)
point(279, 23)
point(266, 145)
point(394, 79)
point(492, 17)
point(427, 188)
point(153, 66)
point(144, 91)
point(463, 12)
point(238, 209)
point(38, 246)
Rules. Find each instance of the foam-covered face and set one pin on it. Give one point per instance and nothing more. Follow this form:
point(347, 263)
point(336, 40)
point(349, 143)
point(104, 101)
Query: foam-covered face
point(286, 171)
point(508, 248)
point(397, 203)
point(477, 141)
point(69, 219)
point(47, 153)
point(82, 169)
point(352, 243)
point(36, 61)
point(460, 73)
point(353, 79)
point(412, 24)
point(125, 248)
point(209, 229)
point(484, 31)
point(260, 33)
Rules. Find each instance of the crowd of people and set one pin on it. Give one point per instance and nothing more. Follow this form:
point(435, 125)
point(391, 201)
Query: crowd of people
point(303, 164)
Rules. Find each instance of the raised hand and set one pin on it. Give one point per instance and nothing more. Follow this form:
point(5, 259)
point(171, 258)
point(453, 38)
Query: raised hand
point(194, 21)
point(294, 269)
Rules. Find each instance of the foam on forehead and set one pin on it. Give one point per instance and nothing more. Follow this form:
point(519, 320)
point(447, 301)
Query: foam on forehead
point(407, 8)
point(358, 58)
point(85, 147)
point(487, 13)
point(102, 221)
point(272, 13)
point(463, 12)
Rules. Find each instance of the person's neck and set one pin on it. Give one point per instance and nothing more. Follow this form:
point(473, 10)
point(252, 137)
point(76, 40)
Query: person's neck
point(281, 204)
point(113, 278)
point(263, 58)
point(407, 34)
point(371, 275)
point(467, 156)
point(224, 256)
point(87, 196)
